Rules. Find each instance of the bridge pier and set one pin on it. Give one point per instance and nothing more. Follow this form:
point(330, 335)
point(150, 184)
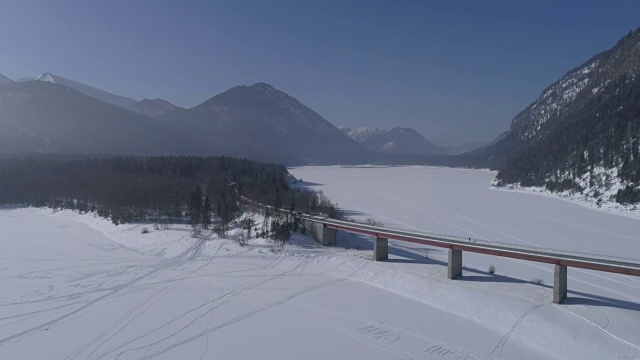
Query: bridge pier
point(321, 233)
point(455, 264)
point(559, 284)
point(380, 248)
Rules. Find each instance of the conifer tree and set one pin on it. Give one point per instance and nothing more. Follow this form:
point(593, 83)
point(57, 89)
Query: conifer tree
point(277, 198)
point(206, 213)
point(195, 207)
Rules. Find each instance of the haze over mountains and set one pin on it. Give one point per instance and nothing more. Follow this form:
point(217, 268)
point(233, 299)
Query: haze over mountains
point(462, 148)
point(403, 141)
point(260, 121)
point(43, 117)
point(54, 114)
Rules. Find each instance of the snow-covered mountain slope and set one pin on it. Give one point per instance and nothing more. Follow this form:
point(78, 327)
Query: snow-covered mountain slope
point(583, 126)
point(262, 122)
point(5, 80)
point(153, 107)
point(361, 134)
point(85, 89)
point(398, 140)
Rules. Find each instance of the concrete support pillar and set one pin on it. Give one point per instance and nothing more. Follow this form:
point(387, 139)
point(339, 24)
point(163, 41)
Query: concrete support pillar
point(380, 248)
point(559, 284)
point(455, 264)
point(320, 232)
point(329, 236)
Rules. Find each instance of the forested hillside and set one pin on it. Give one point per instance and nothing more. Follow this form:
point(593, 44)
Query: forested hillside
point(595, 147)
point(160, 189)
point(583, 133)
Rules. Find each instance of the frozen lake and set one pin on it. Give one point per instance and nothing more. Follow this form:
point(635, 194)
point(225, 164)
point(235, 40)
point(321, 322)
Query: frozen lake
point(461, 202)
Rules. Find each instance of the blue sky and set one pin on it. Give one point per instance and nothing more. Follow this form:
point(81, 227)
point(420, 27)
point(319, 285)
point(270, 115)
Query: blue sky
point(456, 71)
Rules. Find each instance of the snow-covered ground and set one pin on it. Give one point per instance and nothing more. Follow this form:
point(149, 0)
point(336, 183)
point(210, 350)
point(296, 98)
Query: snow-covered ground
point(77, 287)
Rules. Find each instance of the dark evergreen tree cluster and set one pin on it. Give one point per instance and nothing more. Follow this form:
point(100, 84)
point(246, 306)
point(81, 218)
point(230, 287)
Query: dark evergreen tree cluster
point(159, 189)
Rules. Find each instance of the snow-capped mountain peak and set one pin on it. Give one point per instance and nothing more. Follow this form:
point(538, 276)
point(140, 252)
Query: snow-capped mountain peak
point(85, 89)
point(397, 140)
point(48, 77)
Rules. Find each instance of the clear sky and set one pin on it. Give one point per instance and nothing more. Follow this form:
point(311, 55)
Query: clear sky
point(456, 71)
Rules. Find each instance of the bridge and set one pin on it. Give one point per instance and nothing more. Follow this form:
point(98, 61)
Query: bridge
point(324, 231)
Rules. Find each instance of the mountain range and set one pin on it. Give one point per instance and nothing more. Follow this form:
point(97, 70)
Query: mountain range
point(398, 140)
point(50, 113)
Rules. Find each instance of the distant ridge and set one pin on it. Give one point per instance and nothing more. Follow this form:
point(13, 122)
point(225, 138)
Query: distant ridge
point(5, 80)
point(85, 89)
point(260, 121)
point(397, 140)
point(42, 117)
point(153, 108)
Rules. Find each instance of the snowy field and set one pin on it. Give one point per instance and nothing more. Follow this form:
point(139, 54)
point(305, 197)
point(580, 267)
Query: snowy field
point(78, 287)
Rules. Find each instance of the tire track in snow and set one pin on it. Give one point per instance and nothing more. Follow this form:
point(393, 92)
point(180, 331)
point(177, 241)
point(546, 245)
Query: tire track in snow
point(243, 317)
point(237, 291)
point(503, 341)
point(602, 329)
point(158, 296)
point(299, 268)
